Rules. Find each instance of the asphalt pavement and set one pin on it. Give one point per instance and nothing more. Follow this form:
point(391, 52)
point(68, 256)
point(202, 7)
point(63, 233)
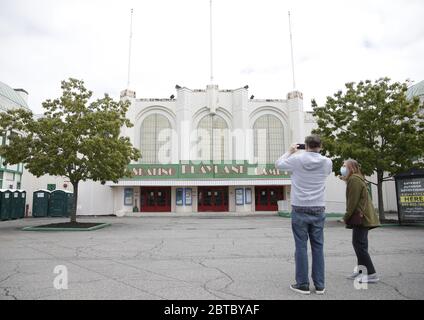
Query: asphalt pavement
point(205, 257)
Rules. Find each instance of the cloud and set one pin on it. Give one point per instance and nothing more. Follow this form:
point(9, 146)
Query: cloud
point(46, 41)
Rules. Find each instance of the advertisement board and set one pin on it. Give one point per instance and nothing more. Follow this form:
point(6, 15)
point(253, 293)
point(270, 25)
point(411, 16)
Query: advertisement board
point(410, 196)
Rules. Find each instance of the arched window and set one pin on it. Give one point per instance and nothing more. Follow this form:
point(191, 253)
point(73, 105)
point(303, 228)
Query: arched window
point(268, 138)
point(155, 139)
point(212, 143)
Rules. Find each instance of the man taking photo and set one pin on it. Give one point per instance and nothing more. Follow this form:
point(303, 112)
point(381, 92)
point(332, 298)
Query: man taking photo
point(309, 171)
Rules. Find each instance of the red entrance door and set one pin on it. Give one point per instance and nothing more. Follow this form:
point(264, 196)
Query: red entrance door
point(155, 199)
point(212, 199)
point(266, 198)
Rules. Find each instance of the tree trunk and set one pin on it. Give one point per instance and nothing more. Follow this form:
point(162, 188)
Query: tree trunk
point(74, 209)
point(380, 195)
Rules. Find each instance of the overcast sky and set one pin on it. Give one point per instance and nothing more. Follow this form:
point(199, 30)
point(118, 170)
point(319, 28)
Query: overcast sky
point(335, 41)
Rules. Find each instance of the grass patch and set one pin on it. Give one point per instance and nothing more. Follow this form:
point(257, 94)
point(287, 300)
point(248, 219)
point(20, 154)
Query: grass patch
point(68, 226)
point(284, 214)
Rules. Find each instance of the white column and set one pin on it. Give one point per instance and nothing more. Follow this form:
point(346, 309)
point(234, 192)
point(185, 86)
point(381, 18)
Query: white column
point(212, 97)
point(183, 122)
point(129, 95)
point(296, 117)
point(240, 112)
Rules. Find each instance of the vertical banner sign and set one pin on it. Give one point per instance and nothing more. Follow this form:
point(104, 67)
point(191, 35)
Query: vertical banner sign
point(239, 197)
point(128, 197)
point(410, 198)
point(248, 195)
point(187, 197)
point(179, 197)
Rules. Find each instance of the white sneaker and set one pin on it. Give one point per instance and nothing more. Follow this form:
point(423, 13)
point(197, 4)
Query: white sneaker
point(370, 278)
point(354, 275)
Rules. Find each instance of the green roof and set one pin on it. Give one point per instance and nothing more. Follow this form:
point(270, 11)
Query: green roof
point(417, 90)
point(11, 96)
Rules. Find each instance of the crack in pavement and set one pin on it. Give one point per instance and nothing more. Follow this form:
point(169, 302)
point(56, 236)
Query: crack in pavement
point(7, 293)
point(397, 290)
point(157, 247)
point(99, 273)
point(401, 274)
point(204, 286)
point(212, 249)
point(139, 253)
point(149, 271)
point(15, 270)
point(221, 290)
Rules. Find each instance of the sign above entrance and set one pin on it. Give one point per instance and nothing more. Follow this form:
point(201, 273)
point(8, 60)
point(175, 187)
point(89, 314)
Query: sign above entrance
point(190, 170)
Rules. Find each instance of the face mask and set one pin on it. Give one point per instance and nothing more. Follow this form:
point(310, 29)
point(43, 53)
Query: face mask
point(344, 171)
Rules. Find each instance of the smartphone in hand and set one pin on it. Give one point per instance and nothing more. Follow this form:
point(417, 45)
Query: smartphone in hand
point(301, 146)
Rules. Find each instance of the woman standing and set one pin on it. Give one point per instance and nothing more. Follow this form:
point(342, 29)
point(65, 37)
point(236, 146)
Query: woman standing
point(360, 217)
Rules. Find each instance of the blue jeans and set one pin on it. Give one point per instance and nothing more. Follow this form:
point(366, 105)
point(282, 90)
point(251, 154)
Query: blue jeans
point(308, 222)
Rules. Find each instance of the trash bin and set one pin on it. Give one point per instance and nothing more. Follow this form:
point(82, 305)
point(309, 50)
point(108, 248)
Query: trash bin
point(16, 204)
point(40, 203)
point(61, 203)
point(283, 206)
point(22, 202)
point(5, 204)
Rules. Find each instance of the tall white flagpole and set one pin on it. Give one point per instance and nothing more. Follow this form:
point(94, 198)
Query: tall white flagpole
point(291, 47)
point(129, 50)
point(211, 43)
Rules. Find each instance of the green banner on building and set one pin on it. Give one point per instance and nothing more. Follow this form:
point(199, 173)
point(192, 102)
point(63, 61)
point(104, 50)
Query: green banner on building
point(192, 170)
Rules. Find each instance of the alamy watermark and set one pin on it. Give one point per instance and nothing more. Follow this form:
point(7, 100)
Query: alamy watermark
point(60, 282)
point(362, 272)
point(210, 145)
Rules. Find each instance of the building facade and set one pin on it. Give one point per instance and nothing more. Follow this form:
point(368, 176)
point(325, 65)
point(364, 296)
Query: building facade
point(11, 175)
point(210, 150)
point(207, 150)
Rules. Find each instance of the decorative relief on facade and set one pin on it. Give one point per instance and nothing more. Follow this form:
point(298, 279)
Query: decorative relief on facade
point(295, 95)
point(128, 94)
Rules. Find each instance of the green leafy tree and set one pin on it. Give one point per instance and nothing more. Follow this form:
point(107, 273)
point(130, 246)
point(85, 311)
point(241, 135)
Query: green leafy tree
point(75, 138)
point(375, 124)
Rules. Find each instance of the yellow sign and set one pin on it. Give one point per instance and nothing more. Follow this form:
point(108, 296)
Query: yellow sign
point(411, 199)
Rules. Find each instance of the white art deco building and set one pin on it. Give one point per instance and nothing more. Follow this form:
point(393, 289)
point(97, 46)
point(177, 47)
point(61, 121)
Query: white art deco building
point(205, 150)
point(209, 150)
